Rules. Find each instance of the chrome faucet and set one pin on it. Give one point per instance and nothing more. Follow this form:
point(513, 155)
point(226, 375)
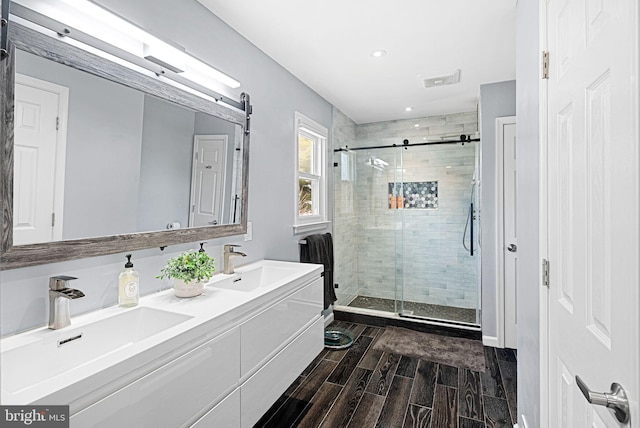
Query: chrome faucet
point(59, 296)
point(229, 252)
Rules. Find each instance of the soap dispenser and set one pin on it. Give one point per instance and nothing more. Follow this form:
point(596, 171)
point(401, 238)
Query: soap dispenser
point(128, 285)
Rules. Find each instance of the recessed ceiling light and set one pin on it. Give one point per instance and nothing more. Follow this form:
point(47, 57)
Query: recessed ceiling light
point(417, 125)
point(378, 53)
point(448, 166)
point(408, 108)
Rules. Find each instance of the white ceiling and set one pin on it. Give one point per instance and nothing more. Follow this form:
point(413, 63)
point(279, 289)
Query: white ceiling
point(328, 43)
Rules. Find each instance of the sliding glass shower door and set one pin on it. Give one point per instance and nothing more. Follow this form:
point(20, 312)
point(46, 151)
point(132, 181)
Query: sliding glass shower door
point(401, 216)
point(436, 185)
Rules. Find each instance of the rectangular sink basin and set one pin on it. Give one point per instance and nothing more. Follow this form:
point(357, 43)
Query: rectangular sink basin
point(252, 279)
point(54, 352)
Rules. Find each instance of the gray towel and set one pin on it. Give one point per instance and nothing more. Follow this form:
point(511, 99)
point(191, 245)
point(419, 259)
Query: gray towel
point(319, 249)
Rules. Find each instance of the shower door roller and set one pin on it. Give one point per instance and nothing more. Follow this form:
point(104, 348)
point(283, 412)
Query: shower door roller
point(512, 248)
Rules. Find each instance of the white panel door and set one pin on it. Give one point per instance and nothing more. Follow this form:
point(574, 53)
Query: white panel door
point(592, 117)
point(40, 108)
point(208, 179)
point(507, 139)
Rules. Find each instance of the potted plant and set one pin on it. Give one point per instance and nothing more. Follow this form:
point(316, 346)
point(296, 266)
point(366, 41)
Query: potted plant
point(190, 270)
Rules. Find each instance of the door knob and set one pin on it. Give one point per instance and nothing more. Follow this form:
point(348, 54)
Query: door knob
point(512, 248)
point(616, 399)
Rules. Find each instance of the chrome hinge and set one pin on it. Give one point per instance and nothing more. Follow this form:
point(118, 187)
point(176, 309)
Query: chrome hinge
point(53, 219)
point(545, 272)
point(57, 123)
point(545, 64)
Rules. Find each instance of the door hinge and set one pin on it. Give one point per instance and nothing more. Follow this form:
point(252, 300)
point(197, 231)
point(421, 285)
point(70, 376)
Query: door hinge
point(545, 64)
point(57, 123)
point(545, 272)
point(53, 219)
point(193, 208)
point(196, 154)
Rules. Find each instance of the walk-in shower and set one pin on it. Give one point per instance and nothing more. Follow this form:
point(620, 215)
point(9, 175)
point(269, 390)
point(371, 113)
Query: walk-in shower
point(406, 229)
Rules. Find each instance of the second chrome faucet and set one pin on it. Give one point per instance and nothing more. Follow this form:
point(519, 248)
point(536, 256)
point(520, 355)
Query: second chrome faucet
point(229, 253)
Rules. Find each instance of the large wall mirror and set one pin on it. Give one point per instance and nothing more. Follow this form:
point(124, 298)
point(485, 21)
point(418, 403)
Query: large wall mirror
point(99, 159)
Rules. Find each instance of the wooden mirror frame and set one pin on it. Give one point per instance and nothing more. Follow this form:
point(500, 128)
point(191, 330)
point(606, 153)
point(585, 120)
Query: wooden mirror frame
point(11, 257)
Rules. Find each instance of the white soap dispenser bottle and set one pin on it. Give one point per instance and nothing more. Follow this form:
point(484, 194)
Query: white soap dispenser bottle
point(128, 285)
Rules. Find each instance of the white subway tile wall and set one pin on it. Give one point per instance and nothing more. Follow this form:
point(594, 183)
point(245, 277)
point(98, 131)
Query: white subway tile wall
point(345, 216)
point(411, 254)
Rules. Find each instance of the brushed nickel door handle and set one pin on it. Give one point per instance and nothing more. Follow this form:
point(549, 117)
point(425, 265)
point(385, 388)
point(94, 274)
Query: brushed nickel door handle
point(512, 248)
point(616, 399)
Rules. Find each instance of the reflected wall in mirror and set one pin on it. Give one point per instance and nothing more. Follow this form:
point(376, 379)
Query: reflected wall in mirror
point(96, 158)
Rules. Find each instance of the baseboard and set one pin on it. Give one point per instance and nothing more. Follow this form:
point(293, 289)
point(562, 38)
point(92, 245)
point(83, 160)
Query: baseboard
point(490, 341)
point(328, 319)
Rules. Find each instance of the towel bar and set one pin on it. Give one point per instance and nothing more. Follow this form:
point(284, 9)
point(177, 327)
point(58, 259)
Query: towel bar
point(302, 242)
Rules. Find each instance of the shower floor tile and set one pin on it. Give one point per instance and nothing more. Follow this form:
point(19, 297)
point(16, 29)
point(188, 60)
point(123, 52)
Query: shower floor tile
point(427, 310)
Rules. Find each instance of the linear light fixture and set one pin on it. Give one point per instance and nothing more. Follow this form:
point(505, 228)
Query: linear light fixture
point(92, 19)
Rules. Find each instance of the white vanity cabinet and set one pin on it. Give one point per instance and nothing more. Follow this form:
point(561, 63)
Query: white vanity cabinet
point(266, 333)
point(277, 345)
point(225, 414)
point(230, 380)
point(174, 394)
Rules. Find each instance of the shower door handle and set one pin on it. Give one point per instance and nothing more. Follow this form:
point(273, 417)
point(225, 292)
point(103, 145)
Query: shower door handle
point(512, 248)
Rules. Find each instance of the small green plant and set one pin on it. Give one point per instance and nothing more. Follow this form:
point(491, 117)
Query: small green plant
point(189, 266)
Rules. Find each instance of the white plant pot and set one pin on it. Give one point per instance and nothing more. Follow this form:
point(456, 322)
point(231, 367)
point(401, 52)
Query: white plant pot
point(191, 289)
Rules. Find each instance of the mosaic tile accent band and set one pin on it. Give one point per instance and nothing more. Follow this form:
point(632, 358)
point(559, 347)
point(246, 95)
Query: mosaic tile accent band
point(414, 195)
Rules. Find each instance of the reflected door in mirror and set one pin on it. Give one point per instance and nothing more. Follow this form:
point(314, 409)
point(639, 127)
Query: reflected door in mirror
point(39, 156)
point(208, 180)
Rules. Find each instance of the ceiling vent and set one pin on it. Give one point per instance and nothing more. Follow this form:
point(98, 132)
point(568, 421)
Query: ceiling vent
point(432, 82)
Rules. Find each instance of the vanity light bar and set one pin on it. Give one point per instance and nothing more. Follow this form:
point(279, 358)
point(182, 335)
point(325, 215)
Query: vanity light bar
point(98, 24)
point(172, 56)
point(51, 27)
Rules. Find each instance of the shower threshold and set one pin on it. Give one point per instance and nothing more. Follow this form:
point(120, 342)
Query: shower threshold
point(416, 310)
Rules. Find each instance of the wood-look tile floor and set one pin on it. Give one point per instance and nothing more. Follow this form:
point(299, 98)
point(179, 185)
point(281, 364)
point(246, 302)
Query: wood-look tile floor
point(363, 387)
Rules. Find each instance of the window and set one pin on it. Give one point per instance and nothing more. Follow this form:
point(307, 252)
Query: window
point(311, 179)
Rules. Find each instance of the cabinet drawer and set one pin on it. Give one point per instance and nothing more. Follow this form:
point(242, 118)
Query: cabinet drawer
point(267, 332)
point(225, 414)
point(262, 389)
point(171, 395)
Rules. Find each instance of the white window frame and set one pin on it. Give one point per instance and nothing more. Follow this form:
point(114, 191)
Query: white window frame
point(317, 132)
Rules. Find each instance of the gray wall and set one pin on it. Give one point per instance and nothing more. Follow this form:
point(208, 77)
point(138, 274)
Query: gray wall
point(103, 140)
point(275, 95)
point(165, 168)
point(496, 100)
point(527, 141)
